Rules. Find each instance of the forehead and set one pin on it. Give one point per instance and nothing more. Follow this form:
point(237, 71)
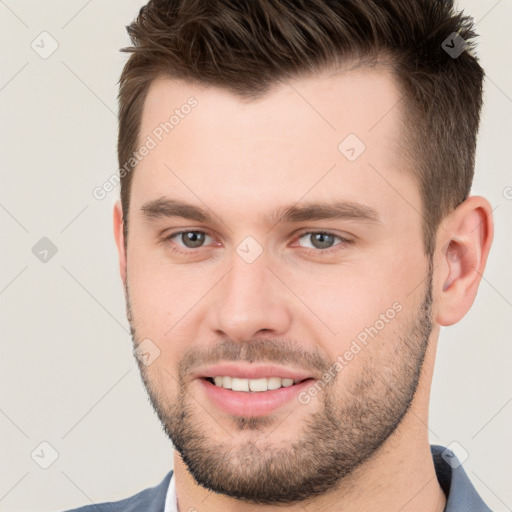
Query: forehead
point(332, 102)
point(279, 146)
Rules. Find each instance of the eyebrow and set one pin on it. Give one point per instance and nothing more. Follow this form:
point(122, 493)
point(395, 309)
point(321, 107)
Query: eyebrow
point(166, 207)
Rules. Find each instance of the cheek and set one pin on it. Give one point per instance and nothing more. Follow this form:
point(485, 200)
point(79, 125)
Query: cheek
point(164, 296)
point(349, 297)
point(160, 381)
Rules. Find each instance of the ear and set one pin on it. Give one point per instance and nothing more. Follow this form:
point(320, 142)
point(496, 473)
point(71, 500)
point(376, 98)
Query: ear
point(119, 236)
point(464, 240)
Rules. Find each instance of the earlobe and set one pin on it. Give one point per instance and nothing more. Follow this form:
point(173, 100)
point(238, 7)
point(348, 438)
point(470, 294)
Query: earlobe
point(119, 237)
point(464, 240)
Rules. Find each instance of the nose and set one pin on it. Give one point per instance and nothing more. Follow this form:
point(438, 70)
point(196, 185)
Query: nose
point(249, 301)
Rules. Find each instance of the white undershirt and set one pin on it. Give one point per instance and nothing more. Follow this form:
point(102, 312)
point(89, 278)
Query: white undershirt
point(171, 502)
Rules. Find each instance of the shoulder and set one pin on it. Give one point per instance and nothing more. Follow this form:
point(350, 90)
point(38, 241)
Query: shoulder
point(149, 500)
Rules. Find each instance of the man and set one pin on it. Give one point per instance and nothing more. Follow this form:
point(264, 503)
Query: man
point(294, 228)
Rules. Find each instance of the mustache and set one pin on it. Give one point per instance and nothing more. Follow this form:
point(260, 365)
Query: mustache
point(269, 351)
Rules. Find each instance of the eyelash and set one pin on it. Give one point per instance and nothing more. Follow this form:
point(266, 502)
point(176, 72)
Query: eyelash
point(342, 241)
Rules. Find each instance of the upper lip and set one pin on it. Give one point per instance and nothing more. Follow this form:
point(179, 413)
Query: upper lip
point(251, 371)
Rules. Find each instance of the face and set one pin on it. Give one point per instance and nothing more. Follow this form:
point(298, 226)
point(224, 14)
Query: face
point(277, 279)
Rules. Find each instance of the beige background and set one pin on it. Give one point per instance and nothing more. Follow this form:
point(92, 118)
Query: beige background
point(67, 373)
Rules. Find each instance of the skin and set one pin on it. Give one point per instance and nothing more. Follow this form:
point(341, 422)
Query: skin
point(229, 156)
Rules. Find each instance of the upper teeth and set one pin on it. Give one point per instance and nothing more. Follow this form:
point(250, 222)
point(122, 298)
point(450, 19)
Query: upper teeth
point(264, 384)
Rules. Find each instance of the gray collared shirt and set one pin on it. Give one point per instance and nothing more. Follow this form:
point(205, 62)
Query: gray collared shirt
point(461, 496)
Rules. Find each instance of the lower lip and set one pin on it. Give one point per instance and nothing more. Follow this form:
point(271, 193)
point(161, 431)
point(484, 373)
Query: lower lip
point(252, 403)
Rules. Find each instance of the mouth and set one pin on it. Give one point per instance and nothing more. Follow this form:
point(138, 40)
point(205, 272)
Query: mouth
point(253, 391)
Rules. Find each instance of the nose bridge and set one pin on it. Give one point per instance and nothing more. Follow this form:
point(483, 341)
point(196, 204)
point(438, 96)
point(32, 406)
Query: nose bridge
point(246, 287)
point(249, 300)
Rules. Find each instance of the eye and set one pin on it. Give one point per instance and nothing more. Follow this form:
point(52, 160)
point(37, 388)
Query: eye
point(190, 239)
point(320, 240)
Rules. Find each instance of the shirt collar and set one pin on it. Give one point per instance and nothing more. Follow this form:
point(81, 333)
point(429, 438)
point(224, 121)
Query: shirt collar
point(461, 496)
point(171, 502)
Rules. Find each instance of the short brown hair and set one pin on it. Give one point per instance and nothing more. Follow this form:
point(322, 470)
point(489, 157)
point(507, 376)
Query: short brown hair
point(246, 46)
